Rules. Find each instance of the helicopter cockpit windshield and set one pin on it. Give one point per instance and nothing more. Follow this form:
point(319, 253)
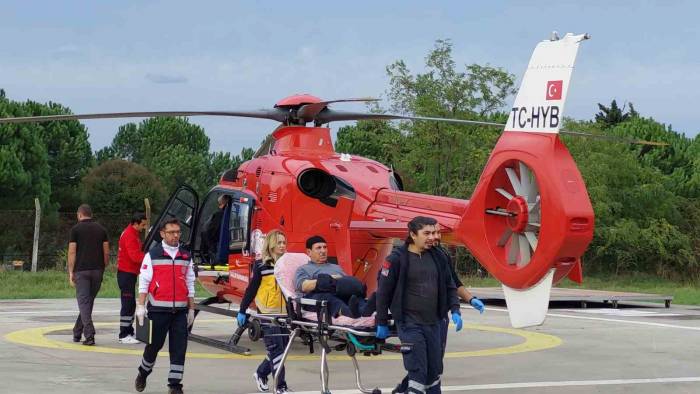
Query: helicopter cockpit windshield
point(265, 147)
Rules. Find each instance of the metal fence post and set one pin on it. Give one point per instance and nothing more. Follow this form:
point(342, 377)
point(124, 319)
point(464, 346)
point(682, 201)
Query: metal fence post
point(35, 248)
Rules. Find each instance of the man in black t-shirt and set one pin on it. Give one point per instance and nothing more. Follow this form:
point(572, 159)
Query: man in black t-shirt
point(88, 255)
point(416, 285)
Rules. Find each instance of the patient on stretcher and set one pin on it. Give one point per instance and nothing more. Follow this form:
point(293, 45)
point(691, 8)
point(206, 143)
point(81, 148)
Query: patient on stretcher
point(312, 276)
point(320, 280)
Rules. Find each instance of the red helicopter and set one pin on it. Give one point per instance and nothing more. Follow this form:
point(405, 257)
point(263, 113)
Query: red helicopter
point(528, 221)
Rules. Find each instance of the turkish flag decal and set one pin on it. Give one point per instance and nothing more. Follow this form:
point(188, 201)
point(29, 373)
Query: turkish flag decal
point(554, 89)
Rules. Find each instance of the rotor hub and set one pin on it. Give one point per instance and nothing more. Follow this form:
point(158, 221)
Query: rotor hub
point(518, 207)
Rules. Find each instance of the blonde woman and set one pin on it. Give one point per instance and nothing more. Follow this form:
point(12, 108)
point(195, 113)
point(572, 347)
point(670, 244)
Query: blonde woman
point(268, 299)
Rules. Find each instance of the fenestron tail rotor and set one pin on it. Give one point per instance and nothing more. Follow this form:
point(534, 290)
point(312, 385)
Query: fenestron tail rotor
point(521, 215)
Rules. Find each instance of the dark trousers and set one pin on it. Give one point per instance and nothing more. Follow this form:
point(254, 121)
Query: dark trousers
point(276, 339)
point(444, 327)
point(127, 289)
point(174, 326)
point(87, 285)
point(423, 361)
point(336, 306)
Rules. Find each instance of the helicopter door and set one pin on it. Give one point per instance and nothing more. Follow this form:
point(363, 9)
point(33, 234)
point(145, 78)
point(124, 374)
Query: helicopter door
point(239, 242)
point(182, 205)
point(226, 244)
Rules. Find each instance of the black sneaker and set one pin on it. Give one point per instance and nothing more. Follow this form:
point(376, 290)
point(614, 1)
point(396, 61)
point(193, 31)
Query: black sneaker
point(370, 306)
point(261, 382)
point(283, 390)
point(397, 390)
point(175, 390)
point(354, 304)
point(401, 388)
point(76, 339)
point(140, 383)
point(89, 342)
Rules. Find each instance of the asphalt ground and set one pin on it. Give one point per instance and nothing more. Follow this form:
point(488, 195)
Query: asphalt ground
point(636, 349)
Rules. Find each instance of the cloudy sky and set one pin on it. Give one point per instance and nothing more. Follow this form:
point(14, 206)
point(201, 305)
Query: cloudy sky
point(184, 55)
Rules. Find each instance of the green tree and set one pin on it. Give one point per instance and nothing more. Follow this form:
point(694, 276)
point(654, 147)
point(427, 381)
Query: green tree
point(119, 186)
point(376, 140)
point(220, 162)
point(69, 153)
point(24, 169)
point(612, 115)
point(446, 159)
point(66, 143)
point(175, 150)
point(642, 225)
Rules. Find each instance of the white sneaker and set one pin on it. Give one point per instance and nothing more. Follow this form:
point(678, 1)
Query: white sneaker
point(261, 382)
point(129, 340)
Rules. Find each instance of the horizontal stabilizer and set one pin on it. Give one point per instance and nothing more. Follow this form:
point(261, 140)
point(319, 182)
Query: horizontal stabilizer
point(529, 307)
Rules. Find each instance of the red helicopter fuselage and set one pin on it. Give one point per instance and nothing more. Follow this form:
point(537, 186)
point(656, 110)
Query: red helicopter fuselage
point(303, 187)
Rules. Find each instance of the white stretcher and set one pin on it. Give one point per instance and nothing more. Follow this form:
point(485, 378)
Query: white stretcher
point(343, 333)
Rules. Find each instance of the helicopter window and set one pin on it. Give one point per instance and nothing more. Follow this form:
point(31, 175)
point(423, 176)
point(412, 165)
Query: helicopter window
point(182, 209)
point(265, 147)
point(395, 181)
point(238, 225)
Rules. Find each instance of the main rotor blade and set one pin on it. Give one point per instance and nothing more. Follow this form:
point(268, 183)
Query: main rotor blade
point(279, 115)
point(334, 116)
point(308, 112)
point(613, 138)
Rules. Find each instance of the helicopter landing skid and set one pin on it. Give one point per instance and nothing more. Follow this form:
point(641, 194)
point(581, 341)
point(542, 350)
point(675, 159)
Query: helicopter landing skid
point(232, 344)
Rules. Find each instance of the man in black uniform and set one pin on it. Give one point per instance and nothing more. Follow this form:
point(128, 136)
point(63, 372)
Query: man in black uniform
point(462, 293)
point(415, 283)
point(88, 255)
point(212, 230)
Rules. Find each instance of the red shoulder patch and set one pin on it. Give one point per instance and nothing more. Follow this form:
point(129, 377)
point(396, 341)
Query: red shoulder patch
point(386, 266)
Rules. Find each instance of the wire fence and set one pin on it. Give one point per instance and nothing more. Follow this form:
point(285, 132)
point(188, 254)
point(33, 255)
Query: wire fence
point(17, 232)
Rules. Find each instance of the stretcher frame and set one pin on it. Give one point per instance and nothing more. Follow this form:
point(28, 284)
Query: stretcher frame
point(323, 331)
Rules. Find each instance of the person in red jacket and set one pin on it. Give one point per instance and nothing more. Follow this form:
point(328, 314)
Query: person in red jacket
point(129, 258)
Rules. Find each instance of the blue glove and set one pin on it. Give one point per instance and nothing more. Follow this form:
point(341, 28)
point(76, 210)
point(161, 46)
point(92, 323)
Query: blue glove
point(241, 317)
point(477, 304)
point(382, 331)
point(457, 320)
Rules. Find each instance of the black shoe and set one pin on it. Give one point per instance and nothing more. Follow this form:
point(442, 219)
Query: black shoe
point(89, 342)
point(397, 390)
point(76, 339)
point(354, 304)
point(370, 306)
point(140, 383)
point(175, 390)
point(283, 390)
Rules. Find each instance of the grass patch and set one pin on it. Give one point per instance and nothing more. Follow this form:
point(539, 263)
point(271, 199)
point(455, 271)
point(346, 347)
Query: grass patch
point(54, 284)
point(683, 293)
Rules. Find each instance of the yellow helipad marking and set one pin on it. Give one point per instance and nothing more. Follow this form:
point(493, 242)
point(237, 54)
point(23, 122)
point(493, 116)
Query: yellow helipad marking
point(533, 341)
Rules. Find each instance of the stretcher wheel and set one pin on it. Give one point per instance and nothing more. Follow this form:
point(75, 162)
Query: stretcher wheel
point(255, 330)
point(350, 349)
